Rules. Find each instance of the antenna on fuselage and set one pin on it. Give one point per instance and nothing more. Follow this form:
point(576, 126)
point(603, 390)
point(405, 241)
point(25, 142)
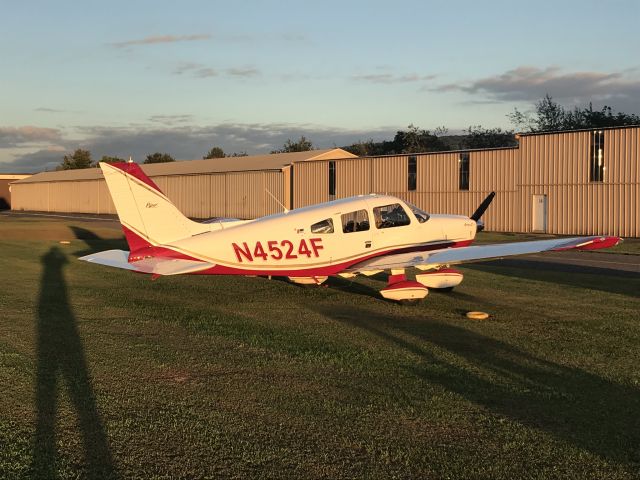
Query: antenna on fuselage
point(286, 210)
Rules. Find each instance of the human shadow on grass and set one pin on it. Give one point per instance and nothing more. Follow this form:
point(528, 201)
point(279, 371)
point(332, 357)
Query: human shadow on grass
point(573, 405)
point(62, 363)
point(595, 278)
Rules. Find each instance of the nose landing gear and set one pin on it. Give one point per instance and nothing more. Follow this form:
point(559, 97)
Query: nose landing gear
point(399, 289)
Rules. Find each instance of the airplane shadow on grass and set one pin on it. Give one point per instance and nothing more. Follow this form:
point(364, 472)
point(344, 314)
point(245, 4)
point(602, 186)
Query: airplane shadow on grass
point(575, 406)
point(94, 242)
point(595, 278)
point(62, 364)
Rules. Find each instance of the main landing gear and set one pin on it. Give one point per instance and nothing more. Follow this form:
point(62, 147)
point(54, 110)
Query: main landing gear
point(409, 292)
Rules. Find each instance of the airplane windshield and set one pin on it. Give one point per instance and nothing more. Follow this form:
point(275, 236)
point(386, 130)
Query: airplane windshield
point(421, 215)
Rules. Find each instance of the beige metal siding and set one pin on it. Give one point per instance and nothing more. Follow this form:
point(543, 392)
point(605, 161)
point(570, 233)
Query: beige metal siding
point(241, 195)
point(247, 195)
point(389, 174)
point(217, 196)
point(310, 183)
point(353, 177)
point(557, 165)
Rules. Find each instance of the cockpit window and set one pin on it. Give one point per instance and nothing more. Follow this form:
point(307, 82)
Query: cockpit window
point(357, 221)
point(389, 216)
point(421, 215)
point(324, 226)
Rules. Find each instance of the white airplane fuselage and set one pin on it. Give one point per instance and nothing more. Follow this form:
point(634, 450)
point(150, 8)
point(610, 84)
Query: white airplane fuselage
point(286, 244)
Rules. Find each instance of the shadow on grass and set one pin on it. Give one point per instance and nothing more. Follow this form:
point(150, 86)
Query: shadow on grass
point(575, 406)
point(595, 278)
point(94, 242)
point(62, 363)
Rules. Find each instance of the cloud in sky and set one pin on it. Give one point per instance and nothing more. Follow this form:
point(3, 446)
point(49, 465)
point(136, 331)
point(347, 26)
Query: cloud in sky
point(185, 142)
point(199, 70)
point(171, 119)
point(27, 135)
point(390, 78)
point(156, 39)
point(527, 83)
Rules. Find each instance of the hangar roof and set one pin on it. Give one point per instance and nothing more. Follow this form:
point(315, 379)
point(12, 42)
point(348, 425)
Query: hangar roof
point(275, 161)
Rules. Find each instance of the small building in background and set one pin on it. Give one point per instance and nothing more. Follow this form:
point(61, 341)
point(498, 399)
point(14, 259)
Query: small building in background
point(5, 189)
point(238, 187)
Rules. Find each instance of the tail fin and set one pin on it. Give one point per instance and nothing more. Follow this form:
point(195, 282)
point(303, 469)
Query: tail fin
point(147, 216)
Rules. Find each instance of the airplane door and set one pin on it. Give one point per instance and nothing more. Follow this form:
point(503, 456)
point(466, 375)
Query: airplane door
point(539, 213)
point(392, 226)
point(356, 230)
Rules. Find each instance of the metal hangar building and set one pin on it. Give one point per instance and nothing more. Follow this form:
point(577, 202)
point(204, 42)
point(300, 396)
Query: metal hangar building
point(572, 182)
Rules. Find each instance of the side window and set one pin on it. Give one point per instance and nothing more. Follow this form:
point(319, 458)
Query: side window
point(463, 171)
point(597, 157)
point(421, 215)
point(324, 226)
point(390, 216)
point(332, 179)
point(412, 173)
point(357, 221)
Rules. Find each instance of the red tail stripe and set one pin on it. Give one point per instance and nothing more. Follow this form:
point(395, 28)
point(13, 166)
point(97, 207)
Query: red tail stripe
point(134, 170)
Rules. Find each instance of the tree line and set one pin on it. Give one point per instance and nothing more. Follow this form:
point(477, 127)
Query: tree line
point(81, 158)
point(546, 115)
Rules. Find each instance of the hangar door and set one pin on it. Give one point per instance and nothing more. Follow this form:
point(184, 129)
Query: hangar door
point(539, 213)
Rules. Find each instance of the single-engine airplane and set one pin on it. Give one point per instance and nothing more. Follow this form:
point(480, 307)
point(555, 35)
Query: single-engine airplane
point(366, 234)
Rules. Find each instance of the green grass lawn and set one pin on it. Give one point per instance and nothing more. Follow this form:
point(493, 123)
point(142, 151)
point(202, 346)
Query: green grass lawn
point(106, 374)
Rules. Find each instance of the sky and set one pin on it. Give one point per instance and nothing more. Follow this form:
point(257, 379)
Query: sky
point(129, 78)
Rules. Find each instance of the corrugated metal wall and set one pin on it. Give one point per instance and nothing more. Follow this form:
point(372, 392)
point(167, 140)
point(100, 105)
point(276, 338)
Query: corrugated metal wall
point(437, 182)
point(558, 166)
point(240, 195)
point(311, 183)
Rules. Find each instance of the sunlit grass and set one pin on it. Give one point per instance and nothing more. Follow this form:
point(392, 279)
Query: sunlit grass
point(245, 377)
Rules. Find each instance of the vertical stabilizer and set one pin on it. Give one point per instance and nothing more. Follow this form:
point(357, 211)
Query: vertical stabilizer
point(147, 216)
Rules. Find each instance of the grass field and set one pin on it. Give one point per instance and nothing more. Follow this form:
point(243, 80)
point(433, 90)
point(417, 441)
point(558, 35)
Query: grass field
point(105, 374)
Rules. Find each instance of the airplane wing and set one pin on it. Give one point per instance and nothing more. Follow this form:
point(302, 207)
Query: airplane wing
point(153, 265)
point(451, 256)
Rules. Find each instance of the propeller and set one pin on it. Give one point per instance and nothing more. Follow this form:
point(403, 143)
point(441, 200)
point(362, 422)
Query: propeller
point(481, 209)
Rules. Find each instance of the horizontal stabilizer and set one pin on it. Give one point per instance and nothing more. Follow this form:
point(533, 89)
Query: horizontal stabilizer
point(153, 265)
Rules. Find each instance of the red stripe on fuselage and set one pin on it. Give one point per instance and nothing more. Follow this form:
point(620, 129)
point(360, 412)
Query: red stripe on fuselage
point(327, 270)
point(141, 248)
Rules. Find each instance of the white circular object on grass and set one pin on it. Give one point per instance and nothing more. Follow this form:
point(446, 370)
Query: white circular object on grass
point(477, 315)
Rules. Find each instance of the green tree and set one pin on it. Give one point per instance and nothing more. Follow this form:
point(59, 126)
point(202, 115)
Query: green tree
point(239, 154)
point(302, 145)
point(415, 140)
point(78, 159)
point(479, 137)
point(214, 152)
point(548, 115)
point(159, 158)
point(364, 148)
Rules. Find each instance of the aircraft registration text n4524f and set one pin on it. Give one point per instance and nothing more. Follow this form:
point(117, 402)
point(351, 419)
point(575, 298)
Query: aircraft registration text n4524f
point(366, 234)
